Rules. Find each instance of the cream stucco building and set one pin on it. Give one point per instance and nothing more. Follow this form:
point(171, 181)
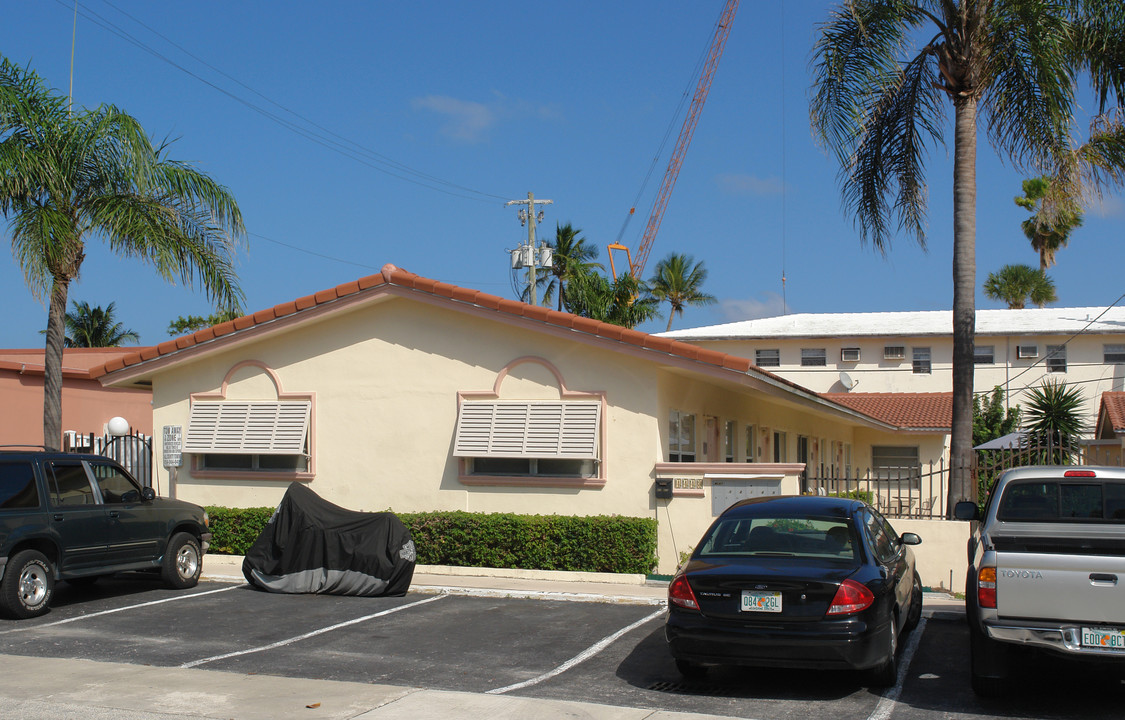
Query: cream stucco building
point(912, 352)
point(400, 392)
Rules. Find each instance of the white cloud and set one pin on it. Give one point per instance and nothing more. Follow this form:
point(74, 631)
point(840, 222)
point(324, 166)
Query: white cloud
point(771, 305)
point(469, 121)
point(1108, 206)
point(466, 121)
point(741, 184)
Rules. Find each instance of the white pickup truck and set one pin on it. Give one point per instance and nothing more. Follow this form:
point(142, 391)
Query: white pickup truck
point(1046, 568)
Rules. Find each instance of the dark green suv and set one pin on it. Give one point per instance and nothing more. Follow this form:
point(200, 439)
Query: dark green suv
point(65, 516)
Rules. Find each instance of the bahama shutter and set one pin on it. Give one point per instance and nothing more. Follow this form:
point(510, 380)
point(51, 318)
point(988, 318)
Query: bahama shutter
point(248, 427)
point(528, 429)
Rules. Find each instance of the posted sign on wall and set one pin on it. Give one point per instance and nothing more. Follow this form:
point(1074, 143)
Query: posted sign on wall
point(173, 446)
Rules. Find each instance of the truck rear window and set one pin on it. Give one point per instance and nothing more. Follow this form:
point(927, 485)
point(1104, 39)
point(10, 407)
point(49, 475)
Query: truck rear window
point(1060, 501)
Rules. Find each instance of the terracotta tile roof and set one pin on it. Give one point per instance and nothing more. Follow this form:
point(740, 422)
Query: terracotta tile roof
point(1113, 409)
point(78, 363)
point(393, 277)
point(905, 410)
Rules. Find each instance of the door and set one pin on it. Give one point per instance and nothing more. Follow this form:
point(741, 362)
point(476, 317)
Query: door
point(135, 533)
point(77, 517)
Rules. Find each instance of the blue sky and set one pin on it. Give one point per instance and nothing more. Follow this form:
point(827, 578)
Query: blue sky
point(474, 104)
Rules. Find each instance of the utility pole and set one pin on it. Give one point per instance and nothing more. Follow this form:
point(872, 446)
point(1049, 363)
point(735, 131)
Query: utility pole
point(527, 255)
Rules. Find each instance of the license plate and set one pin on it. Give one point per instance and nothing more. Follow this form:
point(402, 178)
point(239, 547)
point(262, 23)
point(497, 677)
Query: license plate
point(769, 602)
point(1104, 638)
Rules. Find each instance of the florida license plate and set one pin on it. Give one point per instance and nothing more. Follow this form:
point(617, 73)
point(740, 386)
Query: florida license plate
point(1104, 638)
point(753, 601)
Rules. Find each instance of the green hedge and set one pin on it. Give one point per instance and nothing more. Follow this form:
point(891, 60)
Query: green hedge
point(532, 542)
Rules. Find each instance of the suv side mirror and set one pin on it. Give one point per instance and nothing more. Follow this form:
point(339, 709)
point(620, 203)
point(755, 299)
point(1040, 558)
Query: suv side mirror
point(909, 538)
point(966, 510)
point(148, 494)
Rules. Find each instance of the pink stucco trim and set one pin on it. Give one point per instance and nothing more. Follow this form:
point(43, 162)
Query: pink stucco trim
point(564, 394)
point(281, 395)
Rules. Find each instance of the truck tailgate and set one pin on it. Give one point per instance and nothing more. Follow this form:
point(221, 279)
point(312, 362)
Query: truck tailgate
point(1090, 588)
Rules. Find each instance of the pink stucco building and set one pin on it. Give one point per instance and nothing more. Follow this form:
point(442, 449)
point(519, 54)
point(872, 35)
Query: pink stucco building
point(87, 404)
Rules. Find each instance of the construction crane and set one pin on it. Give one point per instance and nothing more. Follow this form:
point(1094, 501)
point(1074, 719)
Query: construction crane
point(637, 264)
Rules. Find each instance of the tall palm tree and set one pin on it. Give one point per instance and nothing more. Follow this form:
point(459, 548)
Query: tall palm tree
point(1046, 236)
point(878, 103)
point(573, 256)
point(1016, 284)
point(678, 282)
point(89, 327)
point(69, 177)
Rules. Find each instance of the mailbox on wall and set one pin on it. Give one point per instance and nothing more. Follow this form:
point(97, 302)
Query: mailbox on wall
point(664, 488)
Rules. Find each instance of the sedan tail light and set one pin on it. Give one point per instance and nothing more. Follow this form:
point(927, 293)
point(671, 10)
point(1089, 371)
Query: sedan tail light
point(986, 587)
point(851, 597)
point(681, 595)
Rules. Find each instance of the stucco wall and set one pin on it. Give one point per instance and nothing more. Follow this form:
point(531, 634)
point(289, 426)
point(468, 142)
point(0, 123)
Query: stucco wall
point(86, 405)
point(942, 559)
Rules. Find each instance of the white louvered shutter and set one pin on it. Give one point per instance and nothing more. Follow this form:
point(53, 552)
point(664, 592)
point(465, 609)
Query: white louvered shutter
point(248, 427)
point(528, 429)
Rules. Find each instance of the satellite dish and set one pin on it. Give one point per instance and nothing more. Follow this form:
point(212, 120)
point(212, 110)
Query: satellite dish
point(847, 381)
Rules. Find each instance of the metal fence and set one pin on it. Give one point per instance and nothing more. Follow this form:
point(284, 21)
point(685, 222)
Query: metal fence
point(922, 491)
point(133, 451)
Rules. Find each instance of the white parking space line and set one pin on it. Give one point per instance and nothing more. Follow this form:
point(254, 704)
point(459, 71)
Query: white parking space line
point(886, 704)
point(120, 609)
point(580, 657)
point(314, 633)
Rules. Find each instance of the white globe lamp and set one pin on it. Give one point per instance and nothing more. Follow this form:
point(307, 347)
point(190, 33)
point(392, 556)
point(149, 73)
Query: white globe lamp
point(118, 426)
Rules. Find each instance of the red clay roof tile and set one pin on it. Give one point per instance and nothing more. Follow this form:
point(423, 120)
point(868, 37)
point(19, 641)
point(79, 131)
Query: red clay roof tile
point(904, 410)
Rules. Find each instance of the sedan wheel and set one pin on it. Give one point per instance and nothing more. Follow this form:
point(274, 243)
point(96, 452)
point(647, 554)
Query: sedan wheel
point(915, 613)
point(886, 675)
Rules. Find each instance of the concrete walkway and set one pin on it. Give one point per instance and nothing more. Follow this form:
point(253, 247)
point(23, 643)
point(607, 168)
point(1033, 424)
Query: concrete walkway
point(34, 688)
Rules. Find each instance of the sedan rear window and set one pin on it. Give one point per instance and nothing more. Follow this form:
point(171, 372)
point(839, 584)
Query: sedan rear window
point(1053, 501)
point(819, 537)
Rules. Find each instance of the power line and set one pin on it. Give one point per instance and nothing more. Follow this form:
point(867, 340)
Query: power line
point(324, 138)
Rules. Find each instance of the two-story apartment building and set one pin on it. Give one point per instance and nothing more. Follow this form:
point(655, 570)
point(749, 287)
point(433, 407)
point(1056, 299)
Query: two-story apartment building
point(912, 352)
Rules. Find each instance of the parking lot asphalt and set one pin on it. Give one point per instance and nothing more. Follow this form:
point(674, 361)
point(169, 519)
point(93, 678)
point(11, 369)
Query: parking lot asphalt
point(537, 645)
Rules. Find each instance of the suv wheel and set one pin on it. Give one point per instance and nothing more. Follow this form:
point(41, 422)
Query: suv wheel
point(183, 561)
point(29, 582)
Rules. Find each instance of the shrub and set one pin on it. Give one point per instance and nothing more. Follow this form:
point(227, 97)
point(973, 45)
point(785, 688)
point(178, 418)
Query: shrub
point(531, 542)
point(866, 496)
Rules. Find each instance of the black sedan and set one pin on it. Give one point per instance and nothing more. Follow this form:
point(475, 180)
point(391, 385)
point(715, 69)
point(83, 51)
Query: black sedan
point(800, 582)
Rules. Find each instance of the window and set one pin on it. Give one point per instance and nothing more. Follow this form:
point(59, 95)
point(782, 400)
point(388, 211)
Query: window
point(1113, 354)
point(984, 355)
point(71, 484)
point(533, 467)
point(780, 447)
point(813, 357)
point(1052, 501)
point(883, 540)
point(847, 459)
point(849, 354)
point(17, 486)
point(767, 358)
point(751, 443)
point(1026, 352)
point(728, 441)
point(115, 486)
point(921, 361)
point(253, 435)
point(802, 449)
point(894, 352)
point(892, 462)
point(681, 437)
point(1056, 358)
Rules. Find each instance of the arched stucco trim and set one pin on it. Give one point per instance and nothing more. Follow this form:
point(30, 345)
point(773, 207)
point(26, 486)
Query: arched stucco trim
point(280, 394)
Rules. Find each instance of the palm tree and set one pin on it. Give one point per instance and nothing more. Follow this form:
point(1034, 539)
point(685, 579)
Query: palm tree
point(573, 256)
point(878, 104)
point(678, 282)
point(67, 177)
point(1053, 418)
point(623, 301)
point(88, 327)
point(1046, 237)
point(1016, 284)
